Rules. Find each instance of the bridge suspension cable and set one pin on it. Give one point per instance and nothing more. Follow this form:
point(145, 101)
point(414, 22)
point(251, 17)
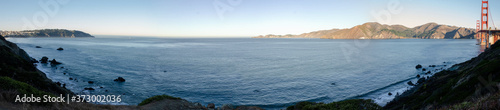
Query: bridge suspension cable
point(492, 20)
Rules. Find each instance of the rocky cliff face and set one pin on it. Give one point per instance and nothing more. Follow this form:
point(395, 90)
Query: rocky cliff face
point(373, 30)
point(14, 49)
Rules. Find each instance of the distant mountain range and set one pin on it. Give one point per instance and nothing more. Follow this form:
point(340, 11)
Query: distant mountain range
point(373, 30)
point(46, 33)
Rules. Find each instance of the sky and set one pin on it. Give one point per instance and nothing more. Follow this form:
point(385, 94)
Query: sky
point(232, 18)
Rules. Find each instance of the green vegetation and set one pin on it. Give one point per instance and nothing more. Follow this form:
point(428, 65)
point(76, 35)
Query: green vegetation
point(21, 87)
point(352, 104)
point(410, 33)
point(157, 98)
point(425, 34)
point(405, 33)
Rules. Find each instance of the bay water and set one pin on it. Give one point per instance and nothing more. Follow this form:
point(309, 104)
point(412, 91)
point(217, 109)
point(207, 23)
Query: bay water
point(270, 73)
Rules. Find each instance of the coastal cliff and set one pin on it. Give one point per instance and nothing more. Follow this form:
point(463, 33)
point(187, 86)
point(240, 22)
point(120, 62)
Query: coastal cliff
point(373, 30)
point(46, 33)
point(16, 64)
point(474, 84)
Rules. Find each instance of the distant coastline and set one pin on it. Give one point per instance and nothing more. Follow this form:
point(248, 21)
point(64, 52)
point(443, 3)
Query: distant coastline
point(45, 33)
point(374, 30)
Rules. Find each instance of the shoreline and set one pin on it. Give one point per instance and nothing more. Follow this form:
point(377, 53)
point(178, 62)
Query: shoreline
point(383, 99)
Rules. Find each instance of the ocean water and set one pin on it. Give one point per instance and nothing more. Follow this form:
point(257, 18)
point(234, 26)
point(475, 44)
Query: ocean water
point(270, 73)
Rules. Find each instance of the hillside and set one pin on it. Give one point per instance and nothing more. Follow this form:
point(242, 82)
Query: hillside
point(46, 33)
point(16, 64)
point(373, 30)
point(473, 84)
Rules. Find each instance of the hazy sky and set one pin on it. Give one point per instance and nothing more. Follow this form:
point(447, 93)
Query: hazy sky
point(231, 18)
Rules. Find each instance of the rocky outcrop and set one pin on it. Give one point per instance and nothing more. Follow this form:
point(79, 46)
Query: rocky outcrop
point(44, 59)
point(54, 62)
point(418, 66)
point(373, 30)
point(119, 79)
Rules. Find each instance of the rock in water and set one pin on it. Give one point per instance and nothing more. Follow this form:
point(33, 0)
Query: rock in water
point(44, 59)
point(418, 66)
point(410, 83)
point(54, 62)
point(390, 94)
point(89, 88)
point(418, 76)
point(91, 82)
point(60, 48)
point(38, 47)
point(120, 79)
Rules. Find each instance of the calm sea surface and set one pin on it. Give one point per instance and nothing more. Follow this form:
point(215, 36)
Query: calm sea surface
point(271, 73)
